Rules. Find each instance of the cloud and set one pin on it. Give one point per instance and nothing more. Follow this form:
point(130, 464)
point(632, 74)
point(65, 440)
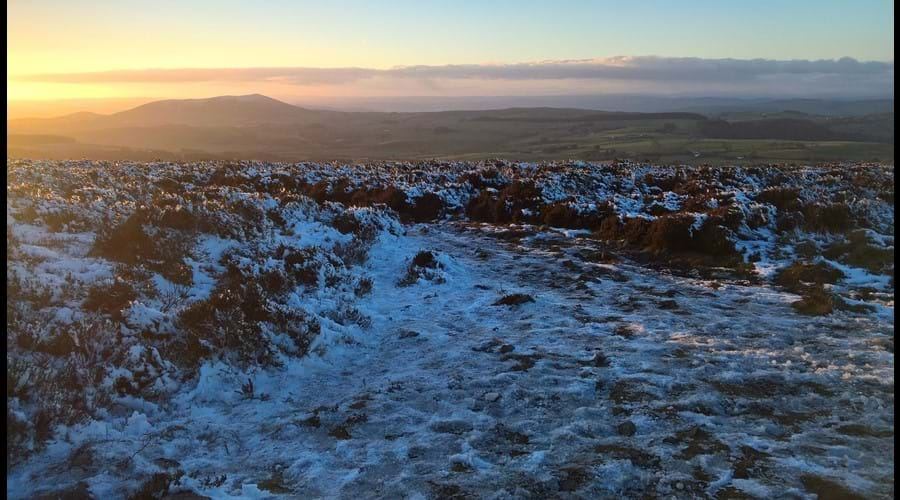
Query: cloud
point(827, 76)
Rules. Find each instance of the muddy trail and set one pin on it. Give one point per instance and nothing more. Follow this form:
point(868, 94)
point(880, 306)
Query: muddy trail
point(537, 365)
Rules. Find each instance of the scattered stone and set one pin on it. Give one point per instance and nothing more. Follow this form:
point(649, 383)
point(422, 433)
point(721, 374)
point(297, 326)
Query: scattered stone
point(524, 362)
point(624, 330)
point(619, 452)
point(510, 435)
point(492, 396)
point(488, 346)
point(340, 432)
point(451, 427)
point(359, 404)
point(599, 360)
point(408, 334)
point(827, 489)
point(461, 467)
point(514, 299)
point(312, 421)
point(627, 429)
point(571, 478)
point(668, 305)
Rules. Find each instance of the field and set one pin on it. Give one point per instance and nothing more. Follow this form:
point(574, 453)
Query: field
point(453, 329)
point(257, 127)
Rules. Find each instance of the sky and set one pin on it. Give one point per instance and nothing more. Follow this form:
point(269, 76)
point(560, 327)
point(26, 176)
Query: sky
point(291, 49)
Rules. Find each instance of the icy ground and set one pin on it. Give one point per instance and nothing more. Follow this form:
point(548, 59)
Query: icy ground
point(615, 381)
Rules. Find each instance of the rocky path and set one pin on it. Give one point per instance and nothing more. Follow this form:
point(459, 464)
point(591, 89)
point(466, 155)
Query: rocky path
point(614, 381)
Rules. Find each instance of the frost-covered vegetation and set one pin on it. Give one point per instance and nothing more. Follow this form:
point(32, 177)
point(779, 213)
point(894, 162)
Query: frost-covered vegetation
point(448, 330)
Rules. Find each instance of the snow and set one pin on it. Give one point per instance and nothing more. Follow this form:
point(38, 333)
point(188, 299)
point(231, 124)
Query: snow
point(736, 362)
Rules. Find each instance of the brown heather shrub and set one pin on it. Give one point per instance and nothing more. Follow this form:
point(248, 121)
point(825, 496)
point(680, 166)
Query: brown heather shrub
point(364, 287)
point(352, 253)
point(110, 299)
point(507, 206)
point(484, 208)
point(610, 228)
point(177, 218)
point(318, 191)
point(420, 266)
point(816, 301)
point(669, 234)
point(788, 221)
point(784, 199)
point(390, 196)
point(798, 276)
point(665, 183)
point(348, 223)
point(563, 215)
point(634, 230)
point(228, 323)
point(425, 208)
point(729, 217)
point(712, 239)
point(302, 266)
point(127, 243)
point(832, 218)
point(858, 251)
point(489, 177)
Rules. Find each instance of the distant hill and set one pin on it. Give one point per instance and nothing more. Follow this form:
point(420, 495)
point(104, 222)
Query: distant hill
point(710, 106)
point(223, 111)
point(256, 126)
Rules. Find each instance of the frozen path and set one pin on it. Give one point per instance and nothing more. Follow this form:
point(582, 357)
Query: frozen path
point(615, 381)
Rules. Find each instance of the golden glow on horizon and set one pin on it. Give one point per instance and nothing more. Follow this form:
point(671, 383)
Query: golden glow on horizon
point(64, 37)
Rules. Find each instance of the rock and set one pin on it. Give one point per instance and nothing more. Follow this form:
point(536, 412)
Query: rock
point(492, 396)
point(340, 432)
point(312, 421)
point(600, 360)
point(668, 304)
point(451, 426)
point(505, 348)
point(488, 346)
point(571, 478)
point(510, 435)
point(826, 488)
point(408, 334)
point(627, 429)
point(514, 299)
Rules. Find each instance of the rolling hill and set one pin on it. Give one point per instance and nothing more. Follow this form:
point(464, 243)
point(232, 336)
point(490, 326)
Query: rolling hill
point(259, 127)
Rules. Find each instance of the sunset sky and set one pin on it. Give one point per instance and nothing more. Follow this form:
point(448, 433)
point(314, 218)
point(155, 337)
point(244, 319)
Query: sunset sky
point(108, 49)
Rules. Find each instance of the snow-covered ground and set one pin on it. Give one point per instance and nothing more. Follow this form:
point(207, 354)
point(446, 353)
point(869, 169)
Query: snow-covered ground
point(616, 379)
